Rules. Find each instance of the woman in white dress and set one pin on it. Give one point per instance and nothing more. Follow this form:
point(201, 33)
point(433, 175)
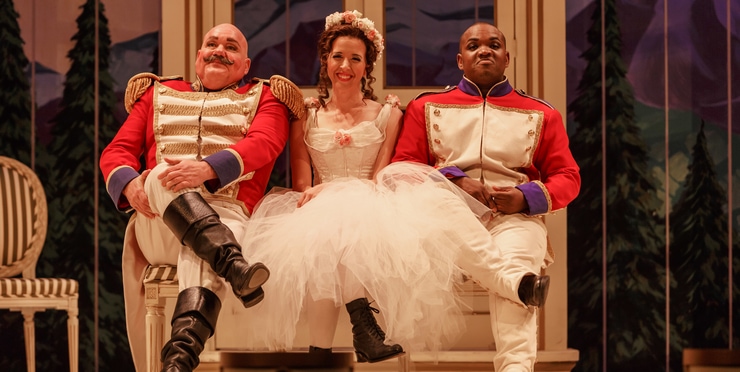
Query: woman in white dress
point(353, 226)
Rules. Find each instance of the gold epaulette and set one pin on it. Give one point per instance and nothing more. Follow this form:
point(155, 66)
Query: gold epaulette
point(445, 90)
point(522, 93)
point(138, 84)
point(289, 94)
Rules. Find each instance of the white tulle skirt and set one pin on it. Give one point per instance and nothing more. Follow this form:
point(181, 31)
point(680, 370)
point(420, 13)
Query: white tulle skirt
point(395, 235)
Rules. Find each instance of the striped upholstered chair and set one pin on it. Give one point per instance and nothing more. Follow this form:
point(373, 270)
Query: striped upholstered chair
point(23, 222)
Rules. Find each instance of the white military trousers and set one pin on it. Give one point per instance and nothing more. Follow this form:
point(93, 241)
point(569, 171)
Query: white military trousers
point(514, 246)
point(160, 246)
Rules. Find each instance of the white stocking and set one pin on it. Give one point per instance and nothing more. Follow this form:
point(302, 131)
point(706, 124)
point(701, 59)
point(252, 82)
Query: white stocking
point(352, 289)
point(322, 322)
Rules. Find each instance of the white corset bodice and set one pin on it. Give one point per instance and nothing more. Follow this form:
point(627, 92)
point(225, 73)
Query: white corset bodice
point(345, 153)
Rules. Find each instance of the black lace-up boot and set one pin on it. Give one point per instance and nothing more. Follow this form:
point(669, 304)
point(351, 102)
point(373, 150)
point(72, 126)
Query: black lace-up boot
point(198, 226)
point(533, 290)
point(367, 335)
point(193, 323)
point(322, 356)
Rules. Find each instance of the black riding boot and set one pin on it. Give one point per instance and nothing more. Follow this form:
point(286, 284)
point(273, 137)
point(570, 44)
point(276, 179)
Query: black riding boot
point(198, 226)
point(193, 323)
point(367, 336)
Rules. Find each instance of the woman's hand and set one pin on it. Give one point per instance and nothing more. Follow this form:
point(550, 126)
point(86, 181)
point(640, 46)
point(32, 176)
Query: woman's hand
point(309, 194)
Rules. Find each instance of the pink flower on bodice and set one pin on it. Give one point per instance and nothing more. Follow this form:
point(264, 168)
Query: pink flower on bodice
point(342, 138)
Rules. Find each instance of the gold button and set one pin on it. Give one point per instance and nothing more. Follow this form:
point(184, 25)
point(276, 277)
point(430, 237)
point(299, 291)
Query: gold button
point(161, 108)
point(252, 92)
point(161, 147)
point(436, 127)
point(245, 110)
point(162, 90)
point(437, 141)
point(531, 117)
point(528, 148)
point(531, 132)
point(437, 112)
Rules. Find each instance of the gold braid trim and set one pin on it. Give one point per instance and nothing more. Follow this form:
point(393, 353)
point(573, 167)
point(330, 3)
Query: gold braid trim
point(289, 94)
point(138, 84)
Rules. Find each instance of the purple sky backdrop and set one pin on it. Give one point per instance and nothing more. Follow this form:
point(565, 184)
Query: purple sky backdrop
point(697, 53)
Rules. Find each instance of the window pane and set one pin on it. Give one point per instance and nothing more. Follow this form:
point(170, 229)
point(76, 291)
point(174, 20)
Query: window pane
point(422, 39)
point(266, 25)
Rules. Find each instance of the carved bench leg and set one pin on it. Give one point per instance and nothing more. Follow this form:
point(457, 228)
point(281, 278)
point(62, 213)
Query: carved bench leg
point(154, 327)
point(403, 363)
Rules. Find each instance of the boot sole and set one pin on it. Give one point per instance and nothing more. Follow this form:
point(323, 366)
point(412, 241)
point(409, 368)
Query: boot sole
point(361, 358)
point(258, 275)
point(253, 293)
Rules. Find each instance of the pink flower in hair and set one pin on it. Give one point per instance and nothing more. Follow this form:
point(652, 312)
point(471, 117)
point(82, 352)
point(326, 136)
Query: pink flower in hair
point(349, 17)
point(393, 100)
point(311, 102)
point(354, 18)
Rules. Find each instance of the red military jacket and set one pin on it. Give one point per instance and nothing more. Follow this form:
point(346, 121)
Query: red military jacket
point(243, 164)
point(503, 139)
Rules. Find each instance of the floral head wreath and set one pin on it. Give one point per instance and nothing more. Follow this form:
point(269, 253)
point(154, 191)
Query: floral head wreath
point(355, 19)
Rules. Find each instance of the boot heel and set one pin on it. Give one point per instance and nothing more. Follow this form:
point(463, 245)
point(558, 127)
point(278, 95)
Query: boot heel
point(253, 298)
point(361, 357)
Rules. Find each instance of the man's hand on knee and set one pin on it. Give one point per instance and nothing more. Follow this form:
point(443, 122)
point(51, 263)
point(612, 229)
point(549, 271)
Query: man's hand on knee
point(185, 174)
point(136, 196)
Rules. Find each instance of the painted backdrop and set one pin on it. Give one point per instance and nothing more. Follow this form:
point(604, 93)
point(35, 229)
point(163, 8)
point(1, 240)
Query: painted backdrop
point(652, 113)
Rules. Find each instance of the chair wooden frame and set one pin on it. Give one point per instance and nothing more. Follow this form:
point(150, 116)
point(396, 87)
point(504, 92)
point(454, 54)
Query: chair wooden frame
point(704, 359)
point(157, 292)
point(28, 294)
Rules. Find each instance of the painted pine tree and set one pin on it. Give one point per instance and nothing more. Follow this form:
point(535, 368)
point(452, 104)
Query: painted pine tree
point(114, 351)
point(635, 272)
point(585, 213)
point(70, 172)
point(699, 256)
point(15, 111)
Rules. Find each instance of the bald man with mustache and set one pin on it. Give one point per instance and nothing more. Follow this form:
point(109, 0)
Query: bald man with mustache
point(208, 148)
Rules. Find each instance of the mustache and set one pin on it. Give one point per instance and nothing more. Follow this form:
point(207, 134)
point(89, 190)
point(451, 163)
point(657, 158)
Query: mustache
point(221, 59)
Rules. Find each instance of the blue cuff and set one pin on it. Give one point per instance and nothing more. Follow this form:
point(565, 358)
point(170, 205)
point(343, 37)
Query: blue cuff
point(452, 172)
point(117, 182)
point(226, 165)
point(536, 198)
